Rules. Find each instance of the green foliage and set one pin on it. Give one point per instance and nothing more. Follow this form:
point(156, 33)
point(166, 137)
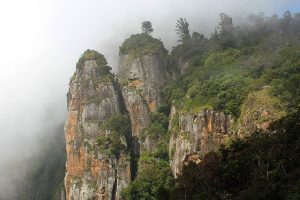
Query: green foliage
point(262, 99)
point(183, 30)
point(112, 144)
point(285, 78)
point(155, 182)
point(261, 166)
point(225, 31)
point(141, 44)
point(158, 126)
point(153, 131)
point(223, 79)
point(118, 123)
point(220, 84)
point(102, 70)
point(92, 55)
point(147, 27)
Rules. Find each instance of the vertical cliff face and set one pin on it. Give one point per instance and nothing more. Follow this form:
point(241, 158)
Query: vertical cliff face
point(142, 76)
point(194, 135)
point(142, 80)
point(93, 98)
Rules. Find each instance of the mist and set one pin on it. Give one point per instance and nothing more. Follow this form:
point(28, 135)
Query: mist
point(41, 42)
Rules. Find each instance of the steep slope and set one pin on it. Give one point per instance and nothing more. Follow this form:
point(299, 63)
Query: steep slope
point(142, 74)
point(258, 111)
point(226, 92)
point(195, 135)
point(93, 98)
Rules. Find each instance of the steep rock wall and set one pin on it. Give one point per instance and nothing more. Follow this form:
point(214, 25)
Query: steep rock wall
point(141, 80)
point(194, 135)
point(90, 172)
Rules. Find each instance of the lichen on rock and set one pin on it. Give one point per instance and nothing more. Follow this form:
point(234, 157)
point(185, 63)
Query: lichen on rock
point(194, 135)
point(90, 173)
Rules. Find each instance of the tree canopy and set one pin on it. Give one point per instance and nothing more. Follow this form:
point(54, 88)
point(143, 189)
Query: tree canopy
point(147, 27)
point(183, 30)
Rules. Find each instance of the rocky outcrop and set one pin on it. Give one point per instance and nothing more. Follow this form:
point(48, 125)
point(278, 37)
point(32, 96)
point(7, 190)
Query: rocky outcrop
point(194, 135)
point(92, 173)
point(258, 111)
point(141, 80)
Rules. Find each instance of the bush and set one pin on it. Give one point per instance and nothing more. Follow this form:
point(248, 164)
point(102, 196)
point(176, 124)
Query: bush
point(155, 182)
point(119, 127)
point(92, 55)
point(141, 44)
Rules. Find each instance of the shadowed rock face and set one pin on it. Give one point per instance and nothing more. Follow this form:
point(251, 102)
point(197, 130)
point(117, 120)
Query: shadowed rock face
point(195, 135)
point(141, 81)
point(91, 173)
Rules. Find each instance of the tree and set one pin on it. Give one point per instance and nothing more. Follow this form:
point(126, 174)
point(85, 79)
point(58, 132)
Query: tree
point(286, 22)
point(147, 27)
point(225, 24)
point(225, 31)
point(197, 36)
point(183, 30)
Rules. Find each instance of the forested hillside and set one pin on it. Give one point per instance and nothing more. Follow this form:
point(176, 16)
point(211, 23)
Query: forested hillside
point(216, 117)
point(250, 72)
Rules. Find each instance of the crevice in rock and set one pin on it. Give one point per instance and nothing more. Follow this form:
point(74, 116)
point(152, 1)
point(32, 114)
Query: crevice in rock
point(134, 158)
point(114, 190)
point(132, 142)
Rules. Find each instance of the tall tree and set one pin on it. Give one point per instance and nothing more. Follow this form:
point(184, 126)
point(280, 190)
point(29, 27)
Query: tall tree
point(225, 31)
point(225, 24)
point(183, 30)
point(147, 27)
point(286, 22)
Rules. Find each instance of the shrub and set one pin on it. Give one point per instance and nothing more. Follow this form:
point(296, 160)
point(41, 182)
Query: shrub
point(141, 44)
point(92, 55)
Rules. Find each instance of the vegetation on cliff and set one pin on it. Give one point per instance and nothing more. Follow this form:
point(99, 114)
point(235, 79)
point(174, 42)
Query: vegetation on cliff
point(254, 64)
point(221, 76)
point(102, 69)
point(250, 70)
point(155, 179)
point(142, 44)
point(119, 128)
point(260, 166)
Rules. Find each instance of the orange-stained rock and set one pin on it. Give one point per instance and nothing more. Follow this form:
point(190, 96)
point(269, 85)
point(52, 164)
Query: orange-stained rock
point(90, 172)
point(152, 106)
point(198, 135)
point(145, 77)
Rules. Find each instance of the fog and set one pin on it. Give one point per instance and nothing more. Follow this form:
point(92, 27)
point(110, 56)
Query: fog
point(41, 42)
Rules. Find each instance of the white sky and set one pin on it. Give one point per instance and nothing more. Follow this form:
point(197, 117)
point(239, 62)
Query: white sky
point(41, 41)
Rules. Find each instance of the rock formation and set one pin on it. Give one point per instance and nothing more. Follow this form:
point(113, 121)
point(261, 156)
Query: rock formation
point(194, 135)
point(92, 99)
point(141, 80)
point(95, 96)
point(102, 161)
